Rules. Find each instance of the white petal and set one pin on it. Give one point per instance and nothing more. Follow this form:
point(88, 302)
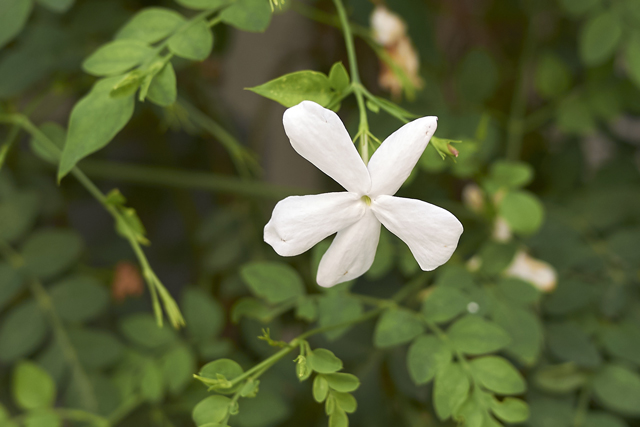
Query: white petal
point(318, 135)
point(299, 222)
point(351, 253)
point(431, 233)
point(394, 160)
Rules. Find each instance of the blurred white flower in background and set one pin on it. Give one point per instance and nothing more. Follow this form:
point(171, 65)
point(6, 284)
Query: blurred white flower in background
point(539, 273)
point(299, 222)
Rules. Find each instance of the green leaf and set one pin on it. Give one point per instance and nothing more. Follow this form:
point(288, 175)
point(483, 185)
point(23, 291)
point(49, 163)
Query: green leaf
point(49, 252)
point(42, 418)
point(475, 335)
point(385, 255)
point(338, 418)
point(203, 315)
point(632, 58)
point(571, 295)
point(32, 386)
point(255, 309)
point(336, 308)
point(343, 383)
point(623, 341)
point(339, 77)
point(518, 290)
point(13, 16)
point(212, 409)
point(599, 37)
point(395, 327)
point(444, 303)
point(96, 349)
point(163, 90)
point(178, 366)
point(226, 369)
point(477, 76)
point(511, 410)
point(603, 419)
point(450, 390)
point(151, 382)
point(58, 6)
point(307, 309)
point(563, 378)
point(345, 401)
point(511, 174)
point(579, 7)
point(23, 330)
point(57, 134)
point(291, 89)
point(525, 330)
point(202, 4)
point(18, 212)
point(522, 211)
point(323, 361)
point(498, 375)
point(11, 282)
point(618, 388)
point(320, 388)
point(116, 57)
point(427, 355)
point(570, 343)
point(274, 281)
point(194, 43)
point(496, 257)
point(142, 329)
point(79, 298)
point(573, 116)
point(248, 15)
point(552, 76)
point(471, 411)
point(151, 25)
point(94, 121)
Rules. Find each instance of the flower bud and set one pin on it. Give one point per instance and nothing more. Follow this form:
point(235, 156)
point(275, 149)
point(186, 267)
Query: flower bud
point(539, 273)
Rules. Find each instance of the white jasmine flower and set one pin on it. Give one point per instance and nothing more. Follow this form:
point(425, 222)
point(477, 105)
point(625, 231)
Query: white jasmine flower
point(539, 273)
point(299, 222)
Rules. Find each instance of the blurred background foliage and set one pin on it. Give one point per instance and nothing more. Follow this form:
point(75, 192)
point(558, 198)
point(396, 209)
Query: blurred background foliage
point(545, 97)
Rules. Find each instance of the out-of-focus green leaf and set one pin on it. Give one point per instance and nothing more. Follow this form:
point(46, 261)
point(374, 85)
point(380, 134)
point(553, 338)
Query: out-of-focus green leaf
point(18, 212)
point(623, 341)
point(79, 298)
point(444, 303)
point(477, 76)
point(163, 90)
point(563, 378)
point(151, 25)
point(511, 174)
point(395, 327)
point(618, 388)
point(221, 369)
point(338, 77)
point(570, 343)
point(632, 58)
point(49, 252)
point(427, 355)
point(599, 38)
point(151, 382)
point(204, 316)
point(511, 410)
point(524, 329)
point(603, 419)
point(59, 6)
point(522, 211)
point(579, 7)
point(96, 348)
point(178, 366)
point(11, 282)
point(334, 309)
point(13, 16)
point(552, 78)
point(291, 89)
point(33, 387)
point(143, 330)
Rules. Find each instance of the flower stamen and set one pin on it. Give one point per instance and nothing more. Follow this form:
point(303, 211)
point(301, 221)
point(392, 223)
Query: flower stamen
point(367, 200)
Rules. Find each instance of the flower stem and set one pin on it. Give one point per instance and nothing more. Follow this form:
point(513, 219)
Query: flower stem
point(363, 128)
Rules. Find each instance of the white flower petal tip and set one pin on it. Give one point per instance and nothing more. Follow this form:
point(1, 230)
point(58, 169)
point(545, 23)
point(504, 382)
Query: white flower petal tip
point(432, 233)
point(318, 135)
point(351, 253)
point(299, 222)
point(393, 161)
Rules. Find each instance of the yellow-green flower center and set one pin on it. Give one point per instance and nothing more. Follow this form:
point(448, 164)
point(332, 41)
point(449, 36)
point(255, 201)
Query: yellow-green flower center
point(367, 200)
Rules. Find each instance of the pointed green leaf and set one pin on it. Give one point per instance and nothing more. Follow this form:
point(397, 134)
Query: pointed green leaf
point(498, 375)
point(194, 43)
point(426, 356)
point(291, 89)
point(94, 121)
point(151, 25)
point(116, 57)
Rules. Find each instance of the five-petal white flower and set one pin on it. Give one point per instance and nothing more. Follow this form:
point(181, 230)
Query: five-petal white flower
point(299, 222)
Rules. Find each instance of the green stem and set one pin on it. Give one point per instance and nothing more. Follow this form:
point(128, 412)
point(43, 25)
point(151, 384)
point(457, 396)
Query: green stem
point(155, 286)
point(166, 177)
point(583, 406)
point(516, 125)
point(363, 128)
point(8, 143)
point(70, 355)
